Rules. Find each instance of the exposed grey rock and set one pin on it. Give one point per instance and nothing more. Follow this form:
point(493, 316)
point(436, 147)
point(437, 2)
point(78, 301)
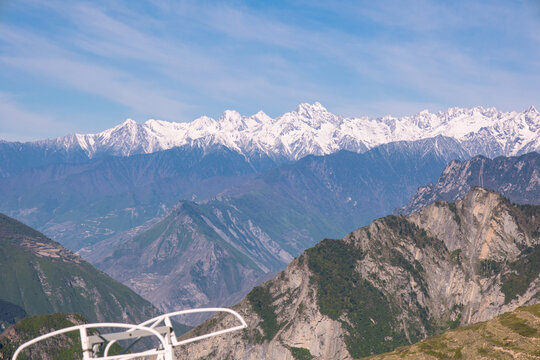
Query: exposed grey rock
point(446, 265)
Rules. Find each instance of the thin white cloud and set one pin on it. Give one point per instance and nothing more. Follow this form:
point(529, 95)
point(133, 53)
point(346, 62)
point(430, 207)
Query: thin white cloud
point(19, 124)
point(195, 54)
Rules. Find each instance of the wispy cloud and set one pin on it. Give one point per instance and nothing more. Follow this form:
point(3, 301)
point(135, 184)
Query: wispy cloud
point(13, 117)
point(180, 59)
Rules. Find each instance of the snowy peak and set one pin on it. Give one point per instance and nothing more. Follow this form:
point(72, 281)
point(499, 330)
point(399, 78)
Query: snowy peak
point(308, 110)
point(312, 129)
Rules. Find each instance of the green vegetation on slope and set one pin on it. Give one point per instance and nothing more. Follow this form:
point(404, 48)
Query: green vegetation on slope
point(10, 313)
point(342, 292)
point(405, 228)
point(514, 335)
point(261, 301)
point(63, 347)
point(300, 353)
point(526, 269)
point(55, 280)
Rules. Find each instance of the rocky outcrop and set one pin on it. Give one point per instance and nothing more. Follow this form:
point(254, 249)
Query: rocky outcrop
point(391, 283)
point(517, 178)
point(271, 334)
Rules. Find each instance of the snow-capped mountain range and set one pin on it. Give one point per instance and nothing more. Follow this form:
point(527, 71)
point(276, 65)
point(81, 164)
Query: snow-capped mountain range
point(312, 129)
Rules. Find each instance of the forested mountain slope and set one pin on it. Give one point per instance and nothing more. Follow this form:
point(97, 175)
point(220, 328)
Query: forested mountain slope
point(40, 276)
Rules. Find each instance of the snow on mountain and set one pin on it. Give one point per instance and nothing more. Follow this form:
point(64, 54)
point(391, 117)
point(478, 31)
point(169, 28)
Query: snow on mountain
point(312, 129)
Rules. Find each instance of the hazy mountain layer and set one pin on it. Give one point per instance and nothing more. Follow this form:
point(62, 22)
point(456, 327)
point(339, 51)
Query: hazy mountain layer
point(79, 204)
point(213, 252)
point(15, 157)
point(391, 283)
point(517, 178)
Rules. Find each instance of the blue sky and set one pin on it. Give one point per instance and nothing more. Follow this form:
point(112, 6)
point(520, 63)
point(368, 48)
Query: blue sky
point(76, 66)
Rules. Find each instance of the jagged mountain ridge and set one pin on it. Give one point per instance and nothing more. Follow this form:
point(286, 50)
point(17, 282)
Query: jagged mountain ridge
point(256, 228)
point(517, 178)
point(40, 276)
point(391, 283)
point(312, 129)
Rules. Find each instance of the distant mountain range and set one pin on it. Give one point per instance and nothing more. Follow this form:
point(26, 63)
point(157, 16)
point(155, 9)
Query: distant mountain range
point(242, 195)
point(391, 283)
point(78, 204)
point(213, 252)
point(309, 130)
point(516, 177)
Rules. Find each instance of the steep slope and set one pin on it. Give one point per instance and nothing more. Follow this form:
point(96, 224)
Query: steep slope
point(391, 283)
point(10, 314)
point(215, 251)
point(63, 347)
point(79, 204)
point(517, 178)
point(40, 276)
point(514, 335)
point(310, 129)
point(189, 259)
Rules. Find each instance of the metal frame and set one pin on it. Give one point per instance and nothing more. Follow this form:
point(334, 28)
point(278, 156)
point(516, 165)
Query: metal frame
point(171, 337)
point(165, 334)
point(87, 349)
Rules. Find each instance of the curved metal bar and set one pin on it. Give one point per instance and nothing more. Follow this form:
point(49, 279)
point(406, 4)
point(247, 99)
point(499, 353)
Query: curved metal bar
point(174, 341)
point(82, 330)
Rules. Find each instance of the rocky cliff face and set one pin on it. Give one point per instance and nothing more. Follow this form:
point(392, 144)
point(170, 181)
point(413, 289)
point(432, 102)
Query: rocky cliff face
point(391, 283)
point(517, 178)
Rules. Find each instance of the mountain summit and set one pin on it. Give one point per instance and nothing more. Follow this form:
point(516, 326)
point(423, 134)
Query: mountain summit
point(311, 129)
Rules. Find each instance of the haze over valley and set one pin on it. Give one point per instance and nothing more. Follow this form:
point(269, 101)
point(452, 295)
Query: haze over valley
point(345, 180)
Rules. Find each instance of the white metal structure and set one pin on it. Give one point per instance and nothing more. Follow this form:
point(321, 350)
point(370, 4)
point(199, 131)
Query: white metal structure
point(165, 335)
point(88, 351)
